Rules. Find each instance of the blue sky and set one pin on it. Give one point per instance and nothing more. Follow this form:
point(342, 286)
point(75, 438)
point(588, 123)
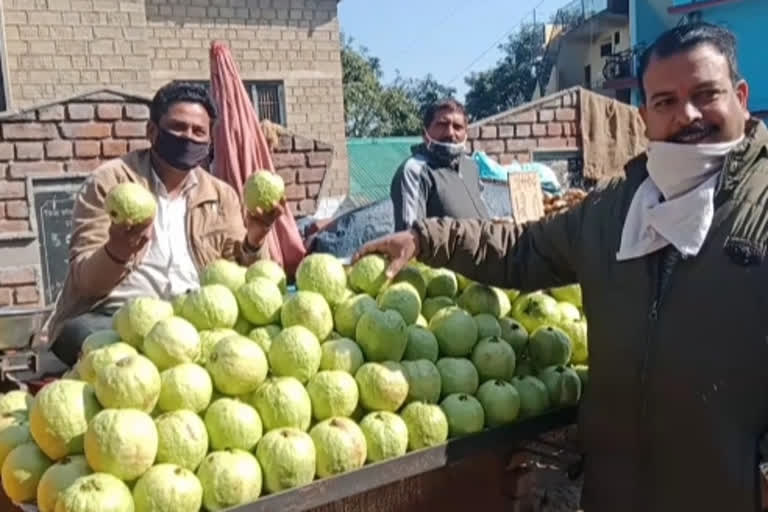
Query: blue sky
point(442, 37)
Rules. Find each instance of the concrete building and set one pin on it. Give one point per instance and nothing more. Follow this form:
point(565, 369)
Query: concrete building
point(288, 52)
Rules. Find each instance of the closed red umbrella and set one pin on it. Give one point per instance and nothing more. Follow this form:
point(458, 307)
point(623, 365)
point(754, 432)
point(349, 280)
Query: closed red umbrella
point(240, 148)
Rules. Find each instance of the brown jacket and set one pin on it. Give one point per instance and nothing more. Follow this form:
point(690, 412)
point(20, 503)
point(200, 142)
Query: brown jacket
point(678, 394)
point(215, 230)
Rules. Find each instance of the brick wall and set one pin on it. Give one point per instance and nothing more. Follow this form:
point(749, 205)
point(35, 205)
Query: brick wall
point(70, 139)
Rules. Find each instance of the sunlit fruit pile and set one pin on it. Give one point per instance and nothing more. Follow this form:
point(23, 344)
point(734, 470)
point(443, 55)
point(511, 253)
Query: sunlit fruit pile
point(243, 388)
point(559, 204)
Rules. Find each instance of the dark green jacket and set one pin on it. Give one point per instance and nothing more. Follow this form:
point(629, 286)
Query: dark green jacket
point(678, 394)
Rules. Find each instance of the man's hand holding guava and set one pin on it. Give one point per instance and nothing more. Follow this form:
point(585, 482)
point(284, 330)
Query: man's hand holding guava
point(258, 222)
point(126, 240)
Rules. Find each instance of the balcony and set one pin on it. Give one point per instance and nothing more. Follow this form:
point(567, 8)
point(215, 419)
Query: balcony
point(689, 6)
point(619, 71)
point(582, 19)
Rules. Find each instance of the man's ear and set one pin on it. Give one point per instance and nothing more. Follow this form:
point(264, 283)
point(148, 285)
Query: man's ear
point(643, 110)
point(152, 132)
point(742, 93)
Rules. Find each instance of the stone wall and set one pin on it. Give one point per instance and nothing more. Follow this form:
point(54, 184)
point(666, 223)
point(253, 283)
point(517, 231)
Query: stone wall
point(56, 146)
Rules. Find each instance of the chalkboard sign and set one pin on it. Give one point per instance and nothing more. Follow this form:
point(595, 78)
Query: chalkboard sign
point(53, 204)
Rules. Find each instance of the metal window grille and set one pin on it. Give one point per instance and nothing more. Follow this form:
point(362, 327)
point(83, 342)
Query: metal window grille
point(269, 102)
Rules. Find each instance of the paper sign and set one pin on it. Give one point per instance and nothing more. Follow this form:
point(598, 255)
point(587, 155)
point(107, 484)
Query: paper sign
point(525, 196)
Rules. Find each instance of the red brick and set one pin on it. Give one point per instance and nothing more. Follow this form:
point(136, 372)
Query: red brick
point(523, 157)
point(109, 111)
point(539, 130)
point(2, 210)
point(12, 189)
point(130, 129)
point(86, 130)
point(17, 275)
point(87, 148)
point(507, 159)
point(313, 189)
point(6, 151)
point(137, 112)
point(288, 175)
point(553, 142)
point(281, 160)
point(311, 175)
point(488, 132)
point(307, 206)
point(506, 130)
point(22, 170)
point(29, 151)
point(303, 144)
point(26, 295)
point(294, 207)
point(554, 129)
point(80, 112)
point(323, 146)
point(29, 131)
point(17, 210)
point(284, 144)
point(572, 142)
point(565, 114)
point(473, 132)
point(522, 130)
point(58, 149)
point(516, 145)
point(135, 145)
point(321, 159)
point(114, 148)
point(52, 113)
point(529, 116)
point(6, 297)
point(295, 192)
point(83, 165)
point(575, 128)
point(14, 226)
point(489, 146)
point(546, 115)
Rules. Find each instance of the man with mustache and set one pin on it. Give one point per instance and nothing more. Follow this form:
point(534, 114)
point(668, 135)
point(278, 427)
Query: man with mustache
point(439, 179)
point(199, 219)
point(672, 263)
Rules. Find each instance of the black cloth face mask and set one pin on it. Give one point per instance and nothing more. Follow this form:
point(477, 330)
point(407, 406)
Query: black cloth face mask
point(180, 152)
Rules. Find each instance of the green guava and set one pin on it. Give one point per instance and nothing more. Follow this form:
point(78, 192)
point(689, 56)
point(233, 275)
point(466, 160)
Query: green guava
point(403, 298)
point(534, 310)
point(223, 272)
point(441, 282)
point(263, 190)
point(422, 322)
point(260, 301)
point(288, 458)
point(339, 445)
point(432, 305)
point(295, 352)
point(282, 402)
point(324, 274)
point(500, 401)
point(211, 307)
point(455, 330)
point(242, 326)
point(168, 488)
point(96, 360)
point(564, 385)
point(479, 298)
point(229, 478)
point(369, 274)
point(422, 344)
point(333, 393)
point(129, 204)
point(13, 418)
point(386, 435)
point(512, 294)
point(13, 435)
point(487, 326)
point(341, 354)
point(426, 423)
point(21, 472)
point(137, 317)
point(382, 386)
point(58, 478)
point(383, 335)
point(182, 439)
point(568, 312)
point(267, 269)
point(515, 334)
point(524, 367)
point(570, 293)
point(412, 276)
point(97, 492)
point(582, 371)
point(177, 303)
point(208, 339)
point(310, 310)
point(549, 346)
point(121, 442)
point(534, 396)
point(424, 383)
point(233, 424)
point(171, 342)
point(132, 382)
point(494, 358)
point(457, 375)
point(348, 313)
point(465, 414)
point(97, 340)
point(186, 386)
point(16, 401)
point(463, 282)
point(237, 365)
point(263, 336)
point(60, 416)
point(577, 333)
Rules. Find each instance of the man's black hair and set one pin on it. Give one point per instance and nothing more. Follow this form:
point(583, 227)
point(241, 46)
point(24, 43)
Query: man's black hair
point(447, 104)
point(686, 37)
point(180, 92)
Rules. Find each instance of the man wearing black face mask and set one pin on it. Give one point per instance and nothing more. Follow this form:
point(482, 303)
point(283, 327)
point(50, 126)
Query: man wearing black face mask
point(199, 219)
point(439, 179)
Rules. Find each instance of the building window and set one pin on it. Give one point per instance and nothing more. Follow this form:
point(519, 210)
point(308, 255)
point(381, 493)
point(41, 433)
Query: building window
point(588, 76)
point(617, 38)
point(606, 50)
point(268, 98)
